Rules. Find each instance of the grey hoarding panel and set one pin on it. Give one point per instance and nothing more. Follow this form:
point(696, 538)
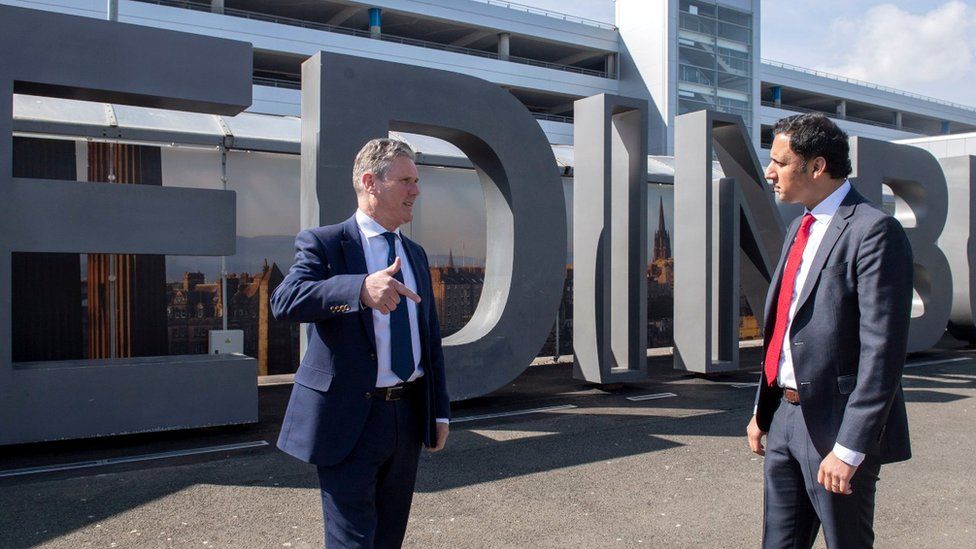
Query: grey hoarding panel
point(610, 239)
point(709, 241)
point(958, 241)
point(921, 196)
point(84, 58)
point(129, 396)
point(347, 100)
point(120, 218)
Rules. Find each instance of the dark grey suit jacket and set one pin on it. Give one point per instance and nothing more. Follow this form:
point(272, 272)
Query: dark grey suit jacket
point(849, 334)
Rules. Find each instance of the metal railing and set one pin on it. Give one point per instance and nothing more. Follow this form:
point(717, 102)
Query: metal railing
point(281, 20)
point(871, 85)
point(552, 117)
point(292, 85)
point(715, 27)
point(697, 75)
point(549, 13)
point(277, 83)
point(849, 118)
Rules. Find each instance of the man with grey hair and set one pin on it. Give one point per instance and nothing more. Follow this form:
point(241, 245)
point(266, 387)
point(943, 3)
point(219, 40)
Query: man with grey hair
point(371, 388)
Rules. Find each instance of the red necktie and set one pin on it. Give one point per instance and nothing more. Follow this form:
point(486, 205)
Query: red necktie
point(785, 297)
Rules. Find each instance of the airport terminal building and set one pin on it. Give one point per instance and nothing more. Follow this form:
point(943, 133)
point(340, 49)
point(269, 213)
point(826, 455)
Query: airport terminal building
point(683, 55)
point(147, 310)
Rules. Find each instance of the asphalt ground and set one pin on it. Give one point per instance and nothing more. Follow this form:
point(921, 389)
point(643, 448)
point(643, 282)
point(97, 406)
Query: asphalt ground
point(600, 471)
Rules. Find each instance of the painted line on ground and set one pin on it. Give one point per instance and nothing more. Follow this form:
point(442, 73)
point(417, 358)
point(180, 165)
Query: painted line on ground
point(744, 385)
point(131, 459)
point(651, 397)
point(933, 362)
point(514, 413)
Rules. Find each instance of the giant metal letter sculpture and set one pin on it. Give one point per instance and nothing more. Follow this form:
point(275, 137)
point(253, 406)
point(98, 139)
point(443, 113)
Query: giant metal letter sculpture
point(347, 101)
point(714, 221)
point(82, 58)
point(958, 241)
point(921, 205)
point(610, 239)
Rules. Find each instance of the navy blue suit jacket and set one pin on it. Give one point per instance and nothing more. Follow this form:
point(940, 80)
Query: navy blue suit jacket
point(331, 397)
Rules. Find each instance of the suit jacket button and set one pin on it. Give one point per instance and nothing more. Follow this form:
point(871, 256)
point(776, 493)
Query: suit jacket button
point(372, 356)
point(369, 395)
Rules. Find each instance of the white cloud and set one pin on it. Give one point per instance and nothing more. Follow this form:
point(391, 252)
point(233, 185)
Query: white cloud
point(894, 47)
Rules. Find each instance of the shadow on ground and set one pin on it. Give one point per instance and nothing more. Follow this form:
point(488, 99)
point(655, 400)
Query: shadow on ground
point(603, 426)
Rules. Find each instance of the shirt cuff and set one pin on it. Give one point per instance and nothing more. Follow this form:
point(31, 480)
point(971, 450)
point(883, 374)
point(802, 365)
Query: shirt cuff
point(850, 457)
point(442, 420)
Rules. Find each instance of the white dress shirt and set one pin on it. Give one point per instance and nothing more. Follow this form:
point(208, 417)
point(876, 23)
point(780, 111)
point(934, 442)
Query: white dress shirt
point(376, 250)
point(823, 213)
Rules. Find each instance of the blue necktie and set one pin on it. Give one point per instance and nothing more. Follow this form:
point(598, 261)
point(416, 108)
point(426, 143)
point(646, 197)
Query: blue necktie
point(401, 344)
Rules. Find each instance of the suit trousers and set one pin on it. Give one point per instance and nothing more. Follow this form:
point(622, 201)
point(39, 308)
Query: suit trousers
point(795, 506)
point(366, 497)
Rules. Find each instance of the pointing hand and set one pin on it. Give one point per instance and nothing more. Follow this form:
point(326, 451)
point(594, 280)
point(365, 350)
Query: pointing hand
point(381, 291)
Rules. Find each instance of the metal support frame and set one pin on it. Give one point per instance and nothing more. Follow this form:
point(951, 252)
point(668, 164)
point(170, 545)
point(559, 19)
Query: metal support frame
point(504, 45)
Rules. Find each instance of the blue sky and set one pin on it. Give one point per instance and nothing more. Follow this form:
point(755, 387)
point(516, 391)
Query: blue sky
point(922, 46)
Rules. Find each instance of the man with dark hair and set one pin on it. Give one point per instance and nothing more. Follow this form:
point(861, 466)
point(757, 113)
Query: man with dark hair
point(837, 316)
point(371, 386)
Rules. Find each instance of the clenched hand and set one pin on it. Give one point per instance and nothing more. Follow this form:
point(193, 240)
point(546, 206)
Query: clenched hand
point(835, 475)
point(755, 435)
point(443, 429)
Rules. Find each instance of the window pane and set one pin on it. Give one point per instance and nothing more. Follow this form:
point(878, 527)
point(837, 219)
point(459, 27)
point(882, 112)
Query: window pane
point(694, 23)
point(734, 16)
point(697, 75)
point(734, 82)
point(735, 32)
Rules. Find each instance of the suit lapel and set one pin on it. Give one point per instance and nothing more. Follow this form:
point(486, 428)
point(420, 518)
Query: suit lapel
point(836, 228)
point(352, 251)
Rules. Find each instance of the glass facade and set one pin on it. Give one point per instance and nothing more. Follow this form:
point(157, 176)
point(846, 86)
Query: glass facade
point(715, 57)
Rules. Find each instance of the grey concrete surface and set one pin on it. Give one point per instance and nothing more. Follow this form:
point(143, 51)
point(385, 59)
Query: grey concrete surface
point(670, 472)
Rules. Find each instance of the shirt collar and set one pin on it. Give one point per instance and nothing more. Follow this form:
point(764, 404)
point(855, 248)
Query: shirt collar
point(369, 226)
point(828, 206)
